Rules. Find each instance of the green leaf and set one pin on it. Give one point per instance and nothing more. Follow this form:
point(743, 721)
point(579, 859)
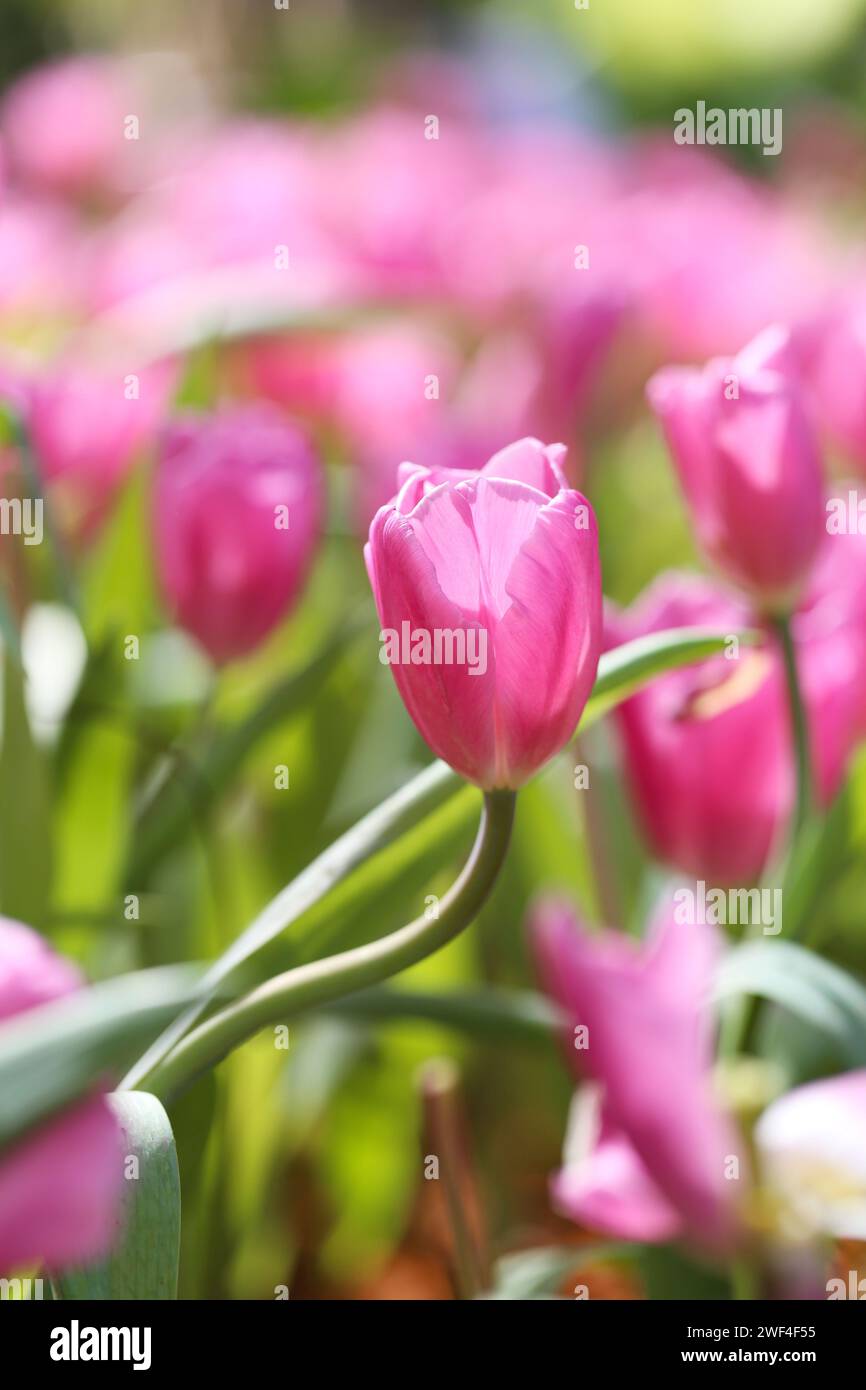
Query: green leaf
point(195, 784)
point(810, 987)
point(422, 795)
point(53, 1054)
point(25, 844)
point(144, 1265)
point(538, 1273)
point(624, 669)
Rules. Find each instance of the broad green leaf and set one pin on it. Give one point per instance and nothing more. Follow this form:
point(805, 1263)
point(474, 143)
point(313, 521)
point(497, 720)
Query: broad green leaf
point(118, 587)
point(624, 669)
point(810, 987)
point(144, 1264)
point(25, 830)
point(65, 583)
point(53, 1054)
point(376, 830)
point(196, 782)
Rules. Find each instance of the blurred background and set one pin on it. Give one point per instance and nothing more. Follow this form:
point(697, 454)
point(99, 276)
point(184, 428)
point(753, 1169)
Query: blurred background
point(421, 231)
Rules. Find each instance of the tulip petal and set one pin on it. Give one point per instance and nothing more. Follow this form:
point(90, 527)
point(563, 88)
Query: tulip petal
point(59, 1190)
point(812, 1145)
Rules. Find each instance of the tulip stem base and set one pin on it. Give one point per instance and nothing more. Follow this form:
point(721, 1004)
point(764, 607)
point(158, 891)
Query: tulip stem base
point(322, 981)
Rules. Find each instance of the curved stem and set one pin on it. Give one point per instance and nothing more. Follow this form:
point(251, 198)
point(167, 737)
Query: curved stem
point(322, 981)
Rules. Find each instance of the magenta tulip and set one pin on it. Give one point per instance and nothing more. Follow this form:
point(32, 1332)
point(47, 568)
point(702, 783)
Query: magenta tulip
point(62, 124)
point(489, 594)
point(87, 427)
point(749, 466)
point(60, 1184)
point(655, 1147)
point(651, 1153)
point(238, 506)
point(708, 747)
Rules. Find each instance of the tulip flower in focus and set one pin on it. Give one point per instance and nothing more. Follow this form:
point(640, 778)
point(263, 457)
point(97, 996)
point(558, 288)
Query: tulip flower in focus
point(749, 466)
point(505, 561)
point(652, 1153)
point(238, 505)
point(60, 1184)
point(708, 747)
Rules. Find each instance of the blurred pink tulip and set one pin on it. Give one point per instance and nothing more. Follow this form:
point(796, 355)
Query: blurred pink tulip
point(62, 124)
point(506, 559)
point(237, 513)
point(649, 1158)
point(649, 1153)
point(708, 747)
point(59, 1185)
point(389, 193)
point(715, 257)
point(749, 467)
point(33, 277)
point(87, 426)
point(837, 374)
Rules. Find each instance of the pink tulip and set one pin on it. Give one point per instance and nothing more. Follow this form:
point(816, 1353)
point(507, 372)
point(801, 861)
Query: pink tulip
point(59, 1185)
point(708, 747)
point(389, 196)
point(506, 561)
point(749, 466)
point(655, 1146)
point(650, 1151)
point(33, 277)
point(63, 123)
point(837, 374)
point(238, 507)
point(87, 426)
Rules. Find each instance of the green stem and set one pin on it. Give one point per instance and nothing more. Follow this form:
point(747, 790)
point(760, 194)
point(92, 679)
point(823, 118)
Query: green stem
point(740, 1022)
point(321, 981)
point(800, 728)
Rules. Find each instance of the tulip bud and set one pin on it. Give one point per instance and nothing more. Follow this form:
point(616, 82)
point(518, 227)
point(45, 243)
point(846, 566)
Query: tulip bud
point(749, 467)
point(60, 1184)
point(237, 513)
point(488, 589)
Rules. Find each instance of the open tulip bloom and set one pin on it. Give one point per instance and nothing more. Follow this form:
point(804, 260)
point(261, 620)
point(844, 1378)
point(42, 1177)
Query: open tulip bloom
point(652, 1152)
point(507, 558)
